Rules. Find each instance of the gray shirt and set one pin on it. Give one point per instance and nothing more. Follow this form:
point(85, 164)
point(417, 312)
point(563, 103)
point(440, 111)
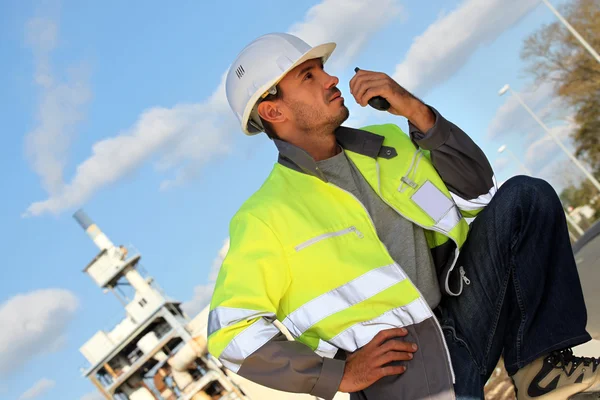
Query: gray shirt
point(405, 241)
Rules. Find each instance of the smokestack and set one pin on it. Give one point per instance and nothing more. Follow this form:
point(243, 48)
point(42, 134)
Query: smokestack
point(92, 230)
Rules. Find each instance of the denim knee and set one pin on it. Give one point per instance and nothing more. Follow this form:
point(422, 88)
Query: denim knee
point(531, 192)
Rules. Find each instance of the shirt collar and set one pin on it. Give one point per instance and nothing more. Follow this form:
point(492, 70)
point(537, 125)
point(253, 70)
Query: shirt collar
point(355, 140)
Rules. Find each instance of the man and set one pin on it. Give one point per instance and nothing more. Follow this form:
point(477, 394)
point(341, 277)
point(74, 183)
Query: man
point(393, 261)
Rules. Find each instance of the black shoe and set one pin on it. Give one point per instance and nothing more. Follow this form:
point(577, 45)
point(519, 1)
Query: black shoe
point(559, 376)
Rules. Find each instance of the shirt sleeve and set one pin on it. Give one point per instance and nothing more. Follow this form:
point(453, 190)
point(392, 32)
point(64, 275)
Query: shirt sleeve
point(293, 367)
point(252, 281)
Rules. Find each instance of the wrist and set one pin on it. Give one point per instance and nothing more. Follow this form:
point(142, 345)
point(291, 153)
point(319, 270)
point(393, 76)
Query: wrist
point(421, 116)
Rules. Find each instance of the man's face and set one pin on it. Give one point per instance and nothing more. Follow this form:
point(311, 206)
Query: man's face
point(312, 100)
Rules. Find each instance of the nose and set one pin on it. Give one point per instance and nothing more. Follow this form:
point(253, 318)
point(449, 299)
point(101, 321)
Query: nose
point(331, 81)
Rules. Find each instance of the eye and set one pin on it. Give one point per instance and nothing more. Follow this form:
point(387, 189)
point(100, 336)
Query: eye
point(307, 76)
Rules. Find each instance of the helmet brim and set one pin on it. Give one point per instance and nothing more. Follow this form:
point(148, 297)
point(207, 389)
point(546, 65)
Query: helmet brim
point(322, 51)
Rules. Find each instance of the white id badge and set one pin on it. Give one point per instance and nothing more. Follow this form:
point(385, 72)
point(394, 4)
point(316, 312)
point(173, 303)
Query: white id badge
point(432, 201)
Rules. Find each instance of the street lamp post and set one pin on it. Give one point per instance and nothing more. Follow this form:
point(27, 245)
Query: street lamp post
point(594, 181)
point(570, 219)
point(503, 148)
point(583, 42)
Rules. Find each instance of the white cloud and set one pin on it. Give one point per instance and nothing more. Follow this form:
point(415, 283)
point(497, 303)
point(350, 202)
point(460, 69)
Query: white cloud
point(501, 163)
point(202, 296)
point(33, 323)
point(92, 396)
point(191, 150)
point(117, 156)
point(545, 149)
point(40, 388)
point(561, 173)
point(42, 35)
point(448, 43)
point(216, 265)
point(203, 292)
point(511, 117)
point(349, 23)
point(61, 106)
point(187, 136)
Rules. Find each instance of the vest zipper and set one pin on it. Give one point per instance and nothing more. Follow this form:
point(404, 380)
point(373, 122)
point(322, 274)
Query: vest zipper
point(463, 276)
point(417, 289)
point(328, 235)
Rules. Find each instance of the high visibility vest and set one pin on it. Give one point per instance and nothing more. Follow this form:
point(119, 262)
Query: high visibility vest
point(306, 252)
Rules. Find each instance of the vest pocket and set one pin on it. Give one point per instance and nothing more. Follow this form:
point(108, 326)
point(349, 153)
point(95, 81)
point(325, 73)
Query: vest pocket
point(328, 235)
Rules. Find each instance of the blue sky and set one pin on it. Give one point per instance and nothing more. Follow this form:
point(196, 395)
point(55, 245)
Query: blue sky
point(117, 107)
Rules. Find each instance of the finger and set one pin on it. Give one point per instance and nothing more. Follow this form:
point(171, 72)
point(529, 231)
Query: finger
point(386, 334)
point(390, 370)
point(360, 82)
point(359, 76)
point(352, 82)
point(365, 84)
point(373, 91)
point(398, 345)
point(392, 356)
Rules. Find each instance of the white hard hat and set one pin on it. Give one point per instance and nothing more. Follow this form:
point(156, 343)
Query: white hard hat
point(259, 68)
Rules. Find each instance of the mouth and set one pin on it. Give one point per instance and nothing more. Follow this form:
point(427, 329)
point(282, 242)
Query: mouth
point(336, 96)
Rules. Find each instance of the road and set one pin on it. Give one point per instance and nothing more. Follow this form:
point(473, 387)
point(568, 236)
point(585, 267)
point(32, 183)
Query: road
point(588, 263)
point(589, 235)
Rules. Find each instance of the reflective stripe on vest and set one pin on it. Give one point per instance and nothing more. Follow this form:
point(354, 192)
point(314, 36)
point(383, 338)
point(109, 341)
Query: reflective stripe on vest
point(222, 317)
point(362, 333)
point(326, 349)
point(247, 342)
point(475, 204)
point(355, 291)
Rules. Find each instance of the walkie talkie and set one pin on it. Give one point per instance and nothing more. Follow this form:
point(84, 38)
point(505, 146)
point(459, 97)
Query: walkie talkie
point(377, 102)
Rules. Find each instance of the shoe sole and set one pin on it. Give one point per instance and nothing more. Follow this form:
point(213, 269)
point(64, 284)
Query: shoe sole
point(585, 396)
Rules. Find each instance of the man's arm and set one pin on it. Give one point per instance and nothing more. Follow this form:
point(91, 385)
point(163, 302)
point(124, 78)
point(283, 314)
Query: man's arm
point(461, 164)
point(291, 366)
point(241, 334)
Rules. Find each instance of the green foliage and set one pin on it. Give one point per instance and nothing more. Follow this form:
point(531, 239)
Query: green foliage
point(553, 54)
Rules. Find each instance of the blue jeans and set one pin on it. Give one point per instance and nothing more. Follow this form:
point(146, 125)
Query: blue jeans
point(524, 299)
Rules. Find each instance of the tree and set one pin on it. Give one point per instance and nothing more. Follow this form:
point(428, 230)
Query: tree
point(553, 54)
point(580, 195)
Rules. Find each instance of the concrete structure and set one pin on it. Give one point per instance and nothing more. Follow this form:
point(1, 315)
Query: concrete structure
point(156, 351)
point(582, 213)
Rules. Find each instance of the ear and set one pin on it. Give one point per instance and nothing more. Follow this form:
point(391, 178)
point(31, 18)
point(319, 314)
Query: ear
point(270, 112)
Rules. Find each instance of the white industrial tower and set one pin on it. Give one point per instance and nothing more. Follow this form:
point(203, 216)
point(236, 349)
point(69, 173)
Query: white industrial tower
point(155, 352)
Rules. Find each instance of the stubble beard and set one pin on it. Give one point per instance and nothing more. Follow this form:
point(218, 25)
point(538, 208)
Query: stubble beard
point(315, 122)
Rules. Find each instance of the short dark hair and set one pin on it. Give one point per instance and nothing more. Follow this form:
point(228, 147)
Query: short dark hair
point(269, 129)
